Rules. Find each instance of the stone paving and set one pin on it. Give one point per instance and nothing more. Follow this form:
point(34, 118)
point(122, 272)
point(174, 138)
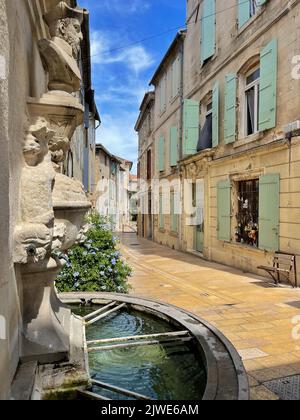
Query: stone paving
point(250, 311)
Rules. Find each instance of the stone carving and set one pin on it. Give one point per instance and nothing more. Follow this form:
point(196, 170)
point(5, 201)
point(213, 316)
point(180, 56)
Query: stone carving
point(34, 233)
point(61, 52)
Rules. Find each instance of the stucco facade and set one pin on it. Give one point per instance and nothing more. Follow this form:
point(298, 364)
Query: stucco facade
point(242, 86)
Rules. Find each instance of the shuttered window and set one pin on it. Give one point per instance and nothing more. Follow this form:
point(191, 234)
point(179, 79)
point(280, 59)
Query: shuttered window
point(208, 29)
point(161, 154)
point(161, 213)
point(173, 146)
point(215, 115)
point(247, 9)
point(269, 190)
point(191, 126)
point(224, 211)
point(268, 86)
point(174, 217)
point(230, 109)
point(176, 77)
point(163, 93)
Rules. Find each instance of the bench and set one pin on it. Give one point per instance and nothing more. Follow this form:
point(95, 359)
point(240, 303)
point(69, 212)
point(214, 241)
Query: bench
point(284, 266)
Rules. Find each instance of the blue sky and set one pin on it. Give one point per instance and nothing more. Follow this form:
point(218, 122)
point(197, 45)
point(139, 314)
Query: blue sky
point(120, 78)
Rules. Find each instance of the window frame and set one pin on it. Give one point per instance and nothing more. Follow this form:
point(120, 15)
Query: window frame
point(256, 85)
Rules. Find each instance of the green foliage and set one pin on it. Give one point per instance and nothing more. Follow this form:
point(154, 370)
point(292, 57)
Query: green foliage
point(95, 265)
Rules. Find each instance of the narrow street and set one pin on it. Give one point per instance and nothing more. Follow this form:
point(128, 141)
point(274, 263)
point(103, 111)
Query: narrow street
point(253, 314)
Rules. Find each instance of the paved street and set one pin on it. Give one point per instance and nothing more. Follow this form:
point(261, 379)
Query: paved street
point(252, 313)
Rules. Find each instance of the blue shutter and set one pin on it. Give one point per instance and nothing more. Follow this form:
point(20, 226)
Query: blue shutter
point(208, 29)
point(191, 125)
point(230, 109)
point(268, 86)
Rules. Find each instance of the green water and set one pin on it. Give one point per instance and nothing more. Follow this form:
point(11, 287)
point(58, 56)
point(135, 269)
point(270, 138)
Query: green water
point(161, 372)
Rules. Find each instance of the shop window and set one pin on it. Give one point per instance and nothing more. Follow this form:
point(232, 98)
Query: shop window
point(252, 102)
point(247, 212)
point(205, 141)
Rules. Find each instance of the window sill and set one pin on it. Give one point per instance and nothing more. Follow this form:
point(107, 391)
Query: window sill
point(174, 234)
point(161, 114)
point(247, 140)
point(173, 100)
point(245, 247)
point(162, 230)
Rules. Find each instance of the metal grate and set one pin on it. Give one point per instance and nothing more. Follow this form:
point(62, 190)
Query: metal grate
point(287, 389)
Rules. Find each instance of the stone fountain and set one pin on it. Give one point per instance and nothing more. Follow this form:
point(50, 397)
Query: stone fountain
point(53, 206)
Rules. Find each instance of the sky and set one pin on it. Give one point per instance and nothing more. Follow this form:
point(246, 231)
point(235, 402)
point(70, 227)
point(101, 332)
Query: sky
point(122, 71)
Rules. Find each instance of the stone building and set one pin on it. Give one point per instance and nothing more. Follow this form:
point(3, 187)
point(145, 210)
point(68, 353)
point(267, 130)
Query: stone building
point(41, 210)
point(145, 129)
point(112, 193)
point(239, 134)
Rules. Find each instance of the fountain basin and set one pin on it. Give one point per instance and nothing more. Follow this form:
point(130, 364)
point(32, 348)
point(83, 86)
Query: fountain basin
point(221, 374)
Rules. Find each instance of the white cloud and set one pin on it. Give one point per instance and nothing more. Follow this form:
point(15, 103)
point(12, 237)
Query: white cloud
point(118, 135)
point(135, 57)
point(127, 7)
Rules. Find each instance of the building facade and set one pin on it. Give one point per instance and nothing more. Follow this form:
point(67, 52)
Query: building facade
point(112, 188)
point(146, 165)
point(238, 140)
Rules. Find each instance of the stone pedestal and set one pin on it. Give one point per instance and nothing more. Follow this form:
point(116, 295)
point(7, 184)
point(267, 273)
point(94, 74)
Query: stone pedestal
point(46, 321)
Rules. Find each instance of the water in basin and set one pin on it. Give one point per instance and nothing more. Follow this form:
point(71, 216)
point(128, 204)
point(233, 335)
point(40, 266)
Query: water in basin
point(161, 372)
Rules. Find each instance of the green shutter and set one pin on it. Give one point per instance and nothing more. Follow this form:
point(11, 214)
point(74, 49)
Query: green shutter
point(176, 73)
point(269, 190)
point(161, 213)
point(215, 115)
point(191, 124)
point(161, 154)
point(230, 109)
point(268, 86)
point(173, 146)
point(261, 2)
point(163, 94)
point(243, 12)
point(208, 29)
point(174, 217)
point(224, 211)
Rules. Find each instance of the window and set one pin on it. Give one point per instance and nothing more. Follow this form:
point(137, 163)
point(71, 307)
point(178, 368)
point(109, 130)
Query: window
point(247, 212)
point(253, 5)
point(163, 93)
point(205, 141)
point(161, 213)
point(149, 164)
point(174, 216)
point(252, 102)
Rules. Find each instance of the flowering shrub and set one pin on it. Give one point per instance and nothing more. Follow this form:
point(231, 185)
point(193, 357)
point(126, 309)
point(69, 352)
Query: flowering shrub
point(95, 265)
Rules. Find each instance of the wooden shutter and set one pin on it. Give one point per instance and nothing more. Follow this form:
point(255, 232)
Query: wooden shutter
point(191, 124)
point(173, 146)
point(230, 109)
point(224, 211)
point(161, 213)
point(243, 12)
point(161, 154)
point(268, 86)
point(208, 29)
point(269, 199)
point(215, 115)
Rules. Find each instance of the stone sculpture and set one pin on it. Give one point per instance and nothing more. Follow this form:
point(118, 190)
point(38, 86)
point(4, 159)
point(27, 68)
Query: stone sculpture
point(61, 52)
point(34, 233)
point(53, 206)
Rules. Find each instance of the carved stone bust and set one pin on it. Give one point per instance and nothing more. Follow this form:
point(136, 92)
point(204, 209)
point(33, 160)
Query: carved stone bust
point(60, 54)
